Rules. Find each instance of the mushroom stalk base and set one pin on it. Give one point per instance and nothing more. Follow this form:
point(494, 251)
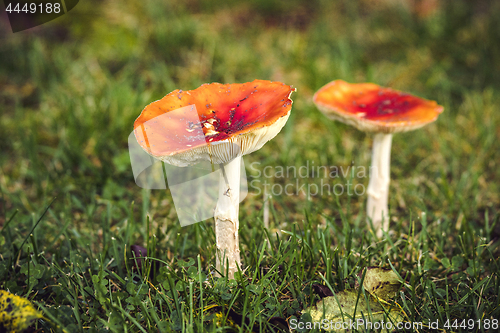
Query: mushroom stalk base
point(378, 189)
point(226, 219)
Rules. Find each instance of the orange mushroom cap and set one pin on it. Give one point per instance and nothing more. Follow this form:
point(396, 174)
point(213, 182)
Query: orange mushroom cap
point(372, 108)
point(247, 115)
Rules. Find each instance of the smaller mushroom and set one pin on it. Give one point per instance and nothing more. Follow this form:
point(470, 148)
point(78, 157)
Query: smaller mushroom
point(383, 111)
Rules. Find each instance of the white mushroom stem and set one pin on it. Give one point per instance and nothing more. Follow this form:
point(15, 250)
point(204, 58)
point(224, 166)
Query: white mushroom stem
point(226, 219)
point(378, 189)
point(267, 197)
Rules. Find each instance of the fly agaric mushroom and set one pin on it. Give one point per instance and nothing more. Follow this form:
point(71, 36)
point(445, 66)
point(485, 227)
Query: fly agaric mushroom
point(231, 120)
point(383, 111)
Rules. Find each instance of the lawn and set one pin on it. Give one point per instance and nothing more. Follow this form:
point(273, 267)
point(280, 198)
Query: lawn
point(71, 214)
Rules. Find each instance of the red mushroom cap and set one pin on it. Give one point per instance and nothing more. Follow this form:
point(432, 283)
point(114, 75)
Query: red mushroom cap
point(247, 114)
point(372, 108)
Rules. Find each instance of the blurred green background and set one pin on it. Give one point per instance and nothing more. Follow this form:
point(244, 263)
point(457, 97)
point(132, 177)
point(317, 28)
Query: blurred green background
point(71, 89)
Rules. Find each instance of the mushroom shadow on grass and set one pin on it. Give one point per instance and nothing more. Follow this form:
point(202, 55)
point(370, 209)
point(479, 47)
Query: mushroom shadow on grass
point(382, 111)
point(231, 120)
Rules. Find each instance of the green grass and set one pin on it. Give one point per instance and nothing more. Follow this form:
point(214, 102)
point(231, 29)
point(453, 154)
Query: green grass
point(71, 90)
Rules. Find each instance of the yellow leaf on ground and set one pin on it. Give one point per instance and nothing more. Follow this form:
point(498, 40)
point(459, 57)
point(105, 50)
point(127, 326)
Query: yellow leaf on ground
point(16, 313)
point(351, 310)
point(346, 311)
point(382, 283)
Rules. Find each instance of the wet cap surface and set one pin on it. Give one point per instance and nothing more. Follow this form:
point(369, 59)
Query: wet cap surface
point(372, 108)
point(214, 112)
